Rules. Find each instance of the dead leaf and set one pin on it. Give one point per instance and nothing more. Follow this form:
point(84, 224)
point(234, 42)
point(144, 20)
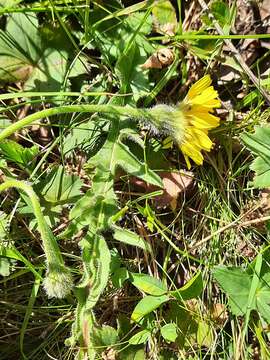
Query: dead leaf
point(218, 313)
point(175, 183)
point(109, 354)
point(265, 9)
point(161, 58)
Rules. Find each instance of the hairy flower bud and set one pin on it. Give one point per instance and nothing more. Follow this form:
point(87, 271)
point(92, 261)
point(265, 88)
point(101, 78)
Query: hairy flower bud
point(58, 281)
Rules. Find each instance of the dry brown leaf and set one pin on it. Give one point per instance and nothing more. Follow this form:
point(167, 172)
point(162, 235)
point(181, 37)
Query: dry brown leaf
point(219, 313)
point(265, 9)
point(161, 58)
point(109, 354)
point(175, 183)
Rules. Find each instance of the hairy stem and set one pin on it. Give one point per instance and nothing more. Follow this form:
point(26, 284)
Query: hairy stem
point(109, 109)
point(56, 270)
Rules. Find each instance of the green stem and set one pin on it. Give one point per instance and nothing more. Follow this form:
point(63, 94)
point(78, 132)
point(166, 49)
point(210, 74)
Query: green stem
point(188, 36)
point(65, 9)
point(58, 94)
point(51, 249)
point(109, 109)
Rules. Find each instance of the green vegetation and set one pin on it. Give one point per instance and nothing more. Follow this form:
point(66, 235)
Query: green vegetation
point(109, 248)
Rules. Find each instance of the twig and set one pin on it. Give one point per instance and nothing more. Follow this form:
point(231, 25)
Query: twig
point(229, 226)
point(236, 53)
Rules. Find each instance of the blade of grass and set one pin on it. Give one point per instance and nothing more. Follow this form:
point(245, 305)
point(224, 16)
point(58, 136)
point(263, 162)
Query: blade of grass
point(28, 312)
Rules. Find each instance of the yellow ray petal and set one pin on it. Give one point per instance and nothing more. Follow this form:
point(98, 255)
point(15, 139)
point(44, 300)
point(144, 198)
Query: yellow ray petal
point(201, 138)
point(205, 121)
point(187, 161)
point(207, 95)
point(199, 86)
point(191, 151)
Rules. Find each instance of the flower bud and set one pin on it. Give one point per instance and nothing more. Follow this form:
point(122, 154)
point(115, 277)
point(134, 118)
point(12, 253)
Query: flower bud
point(58, 281)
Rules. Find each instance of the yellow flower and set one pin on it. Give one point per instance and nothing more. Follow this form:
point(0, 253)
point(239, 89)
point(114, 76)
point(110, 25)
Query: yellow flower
point(197, 106)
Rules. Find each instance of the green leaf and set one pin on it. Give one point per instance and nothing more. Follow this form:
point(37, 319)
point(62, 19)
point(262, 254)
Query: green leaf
point(236, 284)
point(9, 3)
point(221, 12)
point(115, 154)
point(105, 336)
point(148, 284)
point(140, 338)
point(258, 144)
point(191, 289)
point(57, 190)
point(119, 276)
point(96, 258)
point(58, 187)
point(24, 33)
point(25, 56)
point(132, 353)
point(13, 253)
point(49, 72)
point(204, 334)
point(96, 208)
point(132, 77)
point(147, 305)
point(128, 237)
point(263, 297)
point(93, 210)
point(20, 47)
point(16, 153)
point(82, 137)
point(164, 17)
point(13, 69)
point(4, 225)
point(169, 332)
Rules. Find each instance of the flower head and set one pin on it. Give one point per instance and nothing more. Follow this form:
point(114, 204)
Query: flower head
point(188, 123)
point(197, 109)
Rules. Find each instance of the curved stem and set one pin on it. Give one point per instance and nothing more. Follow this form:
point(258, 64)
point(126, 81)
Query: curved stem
point(109, 109)
point(51, 249)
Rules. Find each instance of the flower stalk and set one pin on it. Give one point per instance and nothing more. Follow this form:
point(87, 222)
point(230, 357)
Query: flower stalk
point(58, 280)
point(188, 123)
